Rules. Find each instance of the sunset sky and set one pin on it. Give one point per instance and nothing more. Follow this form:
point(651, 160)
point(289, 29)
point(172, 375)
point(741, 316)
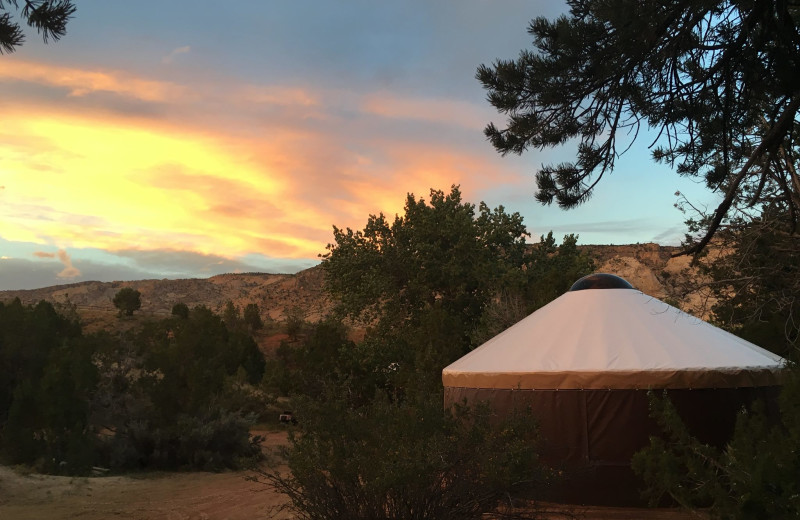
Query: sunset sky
point(189, 138)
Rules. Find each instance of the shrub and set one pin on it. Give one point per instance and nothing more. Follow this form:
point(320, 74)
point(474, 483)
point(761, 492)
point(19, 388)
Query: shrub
point(408, 460)
point(753, 477)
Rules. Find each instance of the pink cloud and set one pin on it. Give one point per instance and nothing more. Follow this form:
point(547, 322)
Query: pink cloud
point(434, 110)
point(278, 95)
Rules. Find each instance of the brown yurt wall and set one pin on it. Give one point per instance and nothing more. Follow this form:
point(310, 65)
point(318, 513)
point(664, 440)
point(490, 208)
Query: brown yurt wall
point(591, 435)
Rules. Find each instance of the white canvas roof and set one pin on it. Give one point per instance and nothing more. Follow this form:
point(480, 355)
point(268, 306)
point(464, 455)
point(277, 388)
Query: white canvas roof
point(613, 338)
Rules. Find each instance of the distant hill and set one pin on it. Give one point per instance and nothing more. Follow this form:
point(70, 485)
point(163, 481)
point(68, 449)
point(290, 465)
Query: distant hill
point(274, 294)
point(649, 267)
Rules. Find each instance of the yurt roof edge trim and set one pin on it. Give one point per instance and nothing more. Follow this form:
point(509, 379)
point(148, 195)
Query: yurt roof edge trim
point(724, 377)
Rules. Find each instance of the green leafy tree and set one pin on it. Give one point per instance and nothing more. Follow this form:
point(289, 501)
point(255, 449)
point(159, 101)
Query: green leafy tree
point(716, 80)
point(552, 269)
point(48, 17)
point(128, 300)
point(173, 394)
point(28, 336)
point(403, 460)
point(191, 358)
point(437, 254)
point(373, 440)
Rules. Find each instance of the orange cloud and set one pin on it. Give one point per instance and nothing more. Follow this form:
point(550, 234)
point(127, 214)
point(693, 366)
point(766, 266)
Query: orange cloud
point(116, 186)
point(69, 270)
point(81, 82)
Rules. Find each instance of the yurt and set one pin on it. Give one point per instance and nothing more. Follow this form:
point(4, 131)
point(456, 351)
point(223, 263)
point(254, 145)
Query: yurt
point(584, 364)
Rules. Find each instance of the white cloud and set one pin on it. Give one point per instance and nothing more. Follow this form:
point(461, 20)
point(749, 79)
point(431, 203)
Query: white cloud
point(169, 58)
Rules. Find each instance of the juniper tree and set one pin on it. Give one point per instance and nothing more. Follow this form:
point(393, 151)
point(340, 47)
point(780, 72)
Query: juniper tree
point(252, 317)
point(127, 300)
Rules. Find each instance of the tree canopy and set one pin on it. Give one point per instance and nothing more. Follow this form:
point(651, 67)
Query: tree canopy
point(438, 253)
point(439, 279)
point(717, 80)
point(48, 17)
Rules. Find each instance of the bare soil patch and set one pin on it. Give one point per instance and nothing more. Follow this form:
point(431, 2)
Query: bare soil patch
point(156, 496)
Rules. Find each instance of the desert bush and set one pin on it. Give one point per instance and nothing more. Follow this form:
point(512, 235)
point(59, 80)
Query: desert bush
point(295, 323)
point(181, 310)
point(214, 440)
point(252, 317)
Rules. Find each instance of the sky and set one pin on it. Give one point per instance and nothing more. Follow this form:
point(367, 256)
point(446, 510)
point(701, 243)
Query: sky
point(190, 138)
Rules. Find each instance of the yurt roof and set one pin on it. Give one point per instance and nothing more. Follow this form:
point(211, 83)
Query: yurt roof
point(617, 338)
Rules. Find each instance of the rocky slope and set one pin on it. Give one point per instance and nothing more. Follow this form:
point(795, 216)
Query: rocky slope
point(275, 294)
point(652, 269)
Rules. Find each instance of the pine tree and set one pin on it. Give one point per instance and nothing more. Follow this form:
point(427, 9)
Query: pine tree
point(716, 80)
point(48, 17)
